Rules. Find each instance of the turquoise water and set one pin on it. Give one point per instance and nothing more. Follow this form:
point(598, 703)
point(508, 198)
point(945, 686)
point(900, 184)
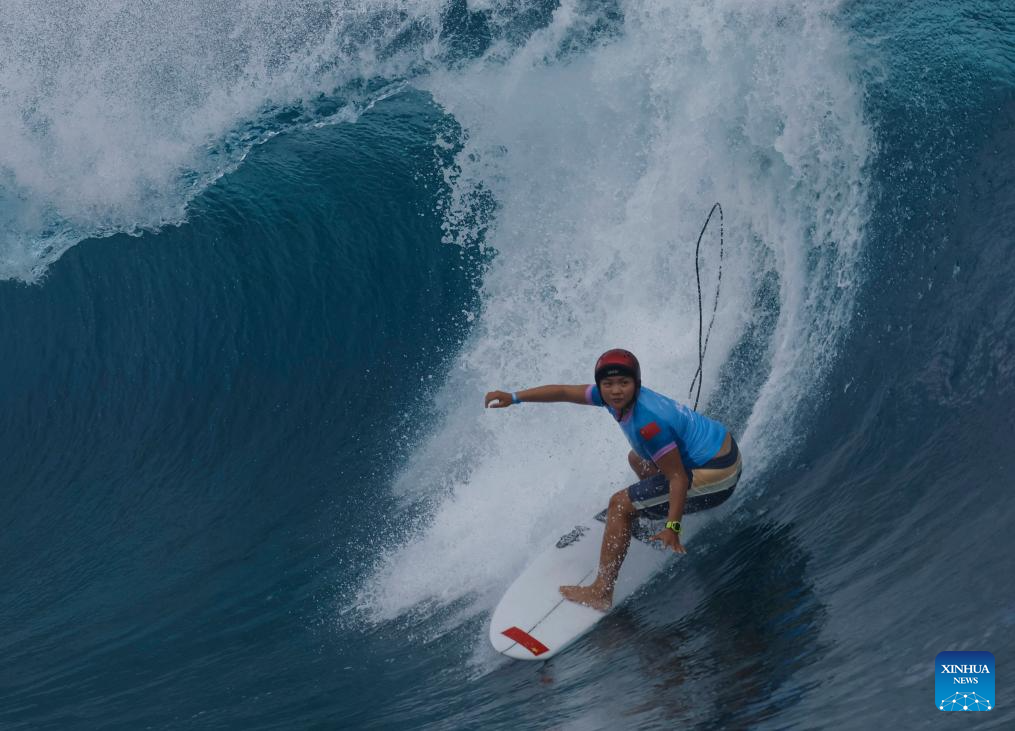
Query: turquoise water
point(260, 264)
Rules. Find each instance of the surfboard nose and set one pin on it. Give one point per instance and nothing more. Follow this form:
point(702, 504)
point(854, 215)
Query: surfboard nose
point(533, 621)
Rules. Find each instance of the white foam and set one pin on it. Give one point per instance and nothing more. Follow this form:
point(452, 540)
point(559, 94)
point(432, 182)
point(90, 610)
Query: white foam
point(115, 114)
point(603, 165)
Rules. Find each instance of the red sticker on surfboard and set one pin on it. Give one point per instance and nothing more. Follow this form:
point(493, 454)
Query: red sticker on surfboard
point(526, 640)
point(649, 430)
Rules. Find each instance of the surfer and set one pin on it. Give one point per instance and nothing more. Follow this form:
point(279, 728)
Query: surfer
point(685, 461)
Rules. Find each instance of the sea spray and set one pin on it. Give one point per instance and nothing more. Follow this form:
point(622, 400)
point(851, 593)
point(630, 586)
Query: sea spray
point(602, 166)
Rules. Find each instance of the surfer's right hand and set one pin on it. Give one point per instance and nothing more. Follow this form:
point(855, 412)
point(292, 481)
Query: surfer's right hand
point(669, 539)
point(498, 399)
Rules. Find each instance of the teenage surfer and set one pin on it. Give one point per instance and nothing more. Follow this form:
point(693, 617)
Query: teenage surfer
point(685, 461)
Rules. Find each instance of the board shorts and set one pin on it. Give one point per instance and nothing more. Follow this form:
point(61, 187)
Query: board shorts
point(711, 485)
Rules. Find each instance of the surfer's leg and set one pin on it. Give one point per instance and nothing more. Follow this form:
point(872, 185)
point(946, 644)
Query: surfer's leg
point(616, 540)
point(642, 467)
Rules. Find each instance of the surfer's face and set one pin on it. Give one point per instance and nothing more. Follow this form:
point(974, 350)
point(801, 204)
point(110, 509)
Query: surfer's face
point(617, 391)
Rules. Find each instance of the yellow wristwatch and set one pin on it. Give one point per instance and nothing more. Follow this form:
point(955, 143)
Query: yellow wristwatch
point(674, 525)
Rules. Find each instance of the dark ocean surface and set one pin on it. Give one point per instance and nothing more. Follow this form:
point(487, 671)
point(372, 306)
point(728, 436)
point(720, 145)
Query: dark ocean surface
point(259, 264)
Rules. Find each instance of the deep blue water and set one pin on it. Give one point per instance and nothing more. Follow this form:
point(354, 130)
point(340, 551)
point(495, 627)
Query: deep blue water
point(257, 275)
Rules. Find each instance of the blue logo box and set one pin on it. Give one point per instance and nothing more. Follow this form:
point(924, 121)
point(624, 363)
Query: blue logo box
point(964, 681)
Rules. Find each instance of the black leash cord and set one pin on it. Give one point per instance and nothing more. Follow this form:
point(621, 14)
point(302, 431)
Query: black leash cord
point(703, 345)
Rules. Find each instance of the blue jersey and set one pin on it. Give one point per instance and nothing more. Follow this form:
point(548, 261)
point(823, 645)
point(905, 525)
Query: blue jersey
point(657, 425)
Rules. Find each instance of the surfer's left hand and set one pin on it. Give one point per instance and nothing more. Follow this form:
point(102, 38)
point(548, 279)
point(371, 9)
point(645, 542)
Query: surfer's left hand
point(497, 400)
point(670, 539)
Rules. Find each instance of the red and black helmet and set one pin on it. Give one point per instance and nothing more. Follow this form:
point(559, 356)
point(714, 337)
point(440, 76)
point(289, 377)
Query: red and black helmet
point(618, 362)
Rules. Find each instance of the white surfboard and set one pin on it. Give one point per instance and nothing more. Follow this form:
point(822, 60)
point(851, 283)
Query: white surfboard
point(534, 622)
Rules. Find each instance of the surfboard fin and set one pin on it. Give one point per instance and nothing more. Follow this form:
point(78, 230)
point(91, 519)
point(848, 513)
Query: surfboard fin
point(568, 538)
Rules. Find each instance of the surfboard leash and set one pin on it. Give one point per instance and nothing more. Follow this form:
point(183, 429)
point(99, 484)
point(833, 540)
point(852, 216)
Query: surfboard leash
point(703, 344)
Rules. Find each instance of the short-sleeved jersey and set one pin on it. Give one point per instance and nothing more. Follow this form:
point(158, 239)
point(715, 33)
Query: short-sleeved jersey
point(657, 425)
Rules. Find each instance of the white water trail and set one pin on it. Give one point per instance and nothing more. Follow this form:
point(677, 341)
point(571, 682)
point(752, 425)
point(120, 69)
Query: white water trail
point(603, 164)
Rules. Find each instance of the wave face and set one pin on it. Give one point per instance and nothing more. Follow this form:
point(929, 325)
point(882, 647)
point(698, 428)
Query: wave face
point(260, 262)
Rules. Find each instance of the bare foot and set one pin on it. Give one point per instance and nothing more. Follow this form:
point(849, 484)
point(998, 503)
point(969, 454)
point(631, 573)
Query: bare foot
point(591, 596)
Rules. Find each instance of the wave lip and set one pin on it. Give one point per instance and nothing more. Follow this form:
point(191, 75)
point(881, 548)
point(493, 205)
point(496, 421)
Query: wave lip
point(115, 118)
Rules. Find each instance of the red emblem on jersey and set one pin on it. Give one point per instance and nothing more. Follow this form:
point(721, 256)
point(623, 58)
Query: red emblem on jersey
point(649, 430)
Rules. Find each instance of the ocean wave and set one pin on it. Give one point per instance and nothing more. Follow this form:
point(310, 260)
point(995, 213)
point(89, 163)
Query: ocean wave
point(598, 169)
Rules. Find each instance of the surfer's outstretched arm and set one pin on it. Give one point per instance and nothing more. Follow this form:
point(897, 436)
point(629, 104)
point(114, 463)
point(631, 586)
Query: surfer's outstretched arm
point(539, 394)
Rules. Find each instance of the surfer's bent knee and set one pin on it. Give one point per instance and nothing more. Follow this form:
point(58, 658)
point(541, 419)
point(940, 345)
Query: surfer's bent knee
point(642, 467)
